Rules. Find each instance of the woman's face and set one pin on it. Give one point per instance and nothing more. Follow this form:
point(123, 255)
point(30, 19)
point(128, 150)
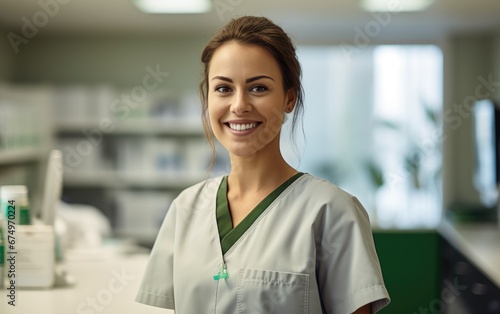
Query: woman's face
point(246, 100)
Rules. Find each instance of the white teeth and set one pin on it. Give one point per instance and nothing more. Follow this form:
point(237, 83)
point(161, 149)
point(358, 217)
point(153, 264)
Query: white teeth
point(242, 127)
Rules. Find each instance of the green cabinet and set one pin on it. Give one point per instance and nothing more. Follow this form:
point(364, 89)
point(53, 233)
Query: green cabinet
point(410, 262)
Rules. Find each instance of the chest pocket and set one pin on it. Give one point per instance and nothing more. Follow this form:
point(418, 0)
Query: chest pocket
point(264, 291)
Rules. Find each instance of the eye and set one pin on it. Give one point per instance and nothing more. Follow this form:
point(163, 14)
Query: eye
point(259, 88)
point(223, 89)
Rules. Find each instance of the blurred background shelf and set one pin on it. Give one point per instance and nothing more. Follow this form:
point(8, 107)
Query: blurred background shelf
point(174, 127)
point(141, 238)
point(21, 155)
point(120, 157)
point(114, 160)
point(111, 179)
point(25, 134)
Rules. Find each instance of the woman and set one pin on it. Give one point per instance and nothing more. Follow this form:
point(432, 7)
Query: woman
point(266, 238)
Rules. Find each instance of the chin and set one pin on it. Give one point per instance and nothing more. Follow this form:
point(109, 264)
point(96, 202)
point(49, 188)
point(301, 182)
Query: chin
point(245, 151)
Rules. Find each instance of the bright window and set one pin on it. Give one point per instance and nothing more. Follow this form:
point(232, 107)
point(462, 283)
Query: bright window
point(372, 123)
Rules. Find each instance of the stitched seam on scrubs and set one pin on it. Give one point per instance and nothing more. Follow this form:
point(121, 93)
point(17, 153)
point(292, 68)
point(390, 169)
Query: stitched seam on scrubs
point(216, 296)
point(352, 299)
point(258, 277)
point(238, 293)
point(215, 231)
point(269, 282)
point(283, 193)
point(159, 300)
point(306, 295)
point(157, 295)
point(382, 302)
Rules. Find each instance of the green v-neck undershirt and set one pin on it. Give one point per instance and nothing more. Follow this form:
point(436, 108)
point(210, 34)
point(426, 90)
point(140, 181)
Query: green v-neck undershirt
point(229, 235)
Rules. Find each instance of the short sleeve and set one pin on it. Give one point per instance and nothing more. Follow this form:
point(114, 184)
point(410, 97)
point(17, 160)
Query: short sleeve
point(348, 269)
point(157, 287)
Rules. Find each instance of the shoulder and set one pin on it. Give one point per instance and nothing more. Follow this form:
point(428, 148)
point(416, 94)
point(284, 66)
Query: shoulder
point(320, 190)
point(202, 191)
point(327, 200)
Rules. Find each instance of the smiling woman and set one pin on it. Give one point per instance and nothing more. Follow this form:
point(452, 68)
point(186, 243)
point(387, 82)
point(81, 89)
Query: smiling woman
point(246, 104)
point(266, 237)
point(279, 53)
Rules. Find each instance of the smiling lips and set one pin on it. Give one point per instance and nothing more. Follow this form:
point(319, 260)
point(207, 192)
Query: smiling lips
point(242, 128)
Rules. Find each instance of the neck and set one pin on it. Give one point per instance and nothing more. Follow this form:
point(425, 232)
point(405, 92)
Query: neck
point(263, 171)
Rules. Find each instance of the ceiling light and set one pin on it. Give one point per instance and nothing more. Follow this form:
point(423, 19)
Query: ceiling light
point(395, 5)
point(173, 6)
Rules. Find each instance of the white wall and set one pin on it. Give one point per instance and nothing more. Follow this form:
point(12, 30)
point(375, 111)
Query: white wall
point(118, 61)
point(470, 58)
point(496, 62)
point(7, 57)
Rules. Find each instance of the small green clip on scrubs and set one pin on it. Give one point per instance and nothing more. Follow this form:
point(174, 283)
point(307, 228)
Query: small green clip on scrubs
point(306, 248)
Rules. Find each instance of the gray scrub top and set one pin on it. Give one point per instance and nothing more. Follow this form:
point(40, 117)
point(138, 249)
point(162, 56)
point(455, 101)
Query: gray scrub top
point(310, 250)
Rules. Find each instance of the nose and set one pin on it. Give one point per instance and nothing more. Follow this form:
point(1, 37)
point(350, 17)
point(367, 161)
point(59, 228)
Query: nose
point(240, 103)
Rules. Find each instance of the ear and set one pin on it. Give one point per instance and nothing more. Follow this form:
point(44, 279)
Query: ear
point(290, 99)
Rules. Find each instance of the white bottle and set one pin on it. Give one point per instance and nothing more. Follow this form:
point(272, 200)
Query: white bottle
point(14, 204)
point(31, 247)
point(36, 258)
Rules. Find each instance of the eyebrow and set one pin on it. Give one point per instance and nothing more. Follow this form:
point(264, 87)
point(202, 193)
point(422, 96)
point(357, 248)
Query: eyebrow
point(249, 80)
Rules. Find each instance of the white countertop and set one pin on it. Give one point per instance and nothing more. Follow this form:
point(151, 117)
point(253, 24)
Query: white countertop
point(479, 242)
point(104, 283)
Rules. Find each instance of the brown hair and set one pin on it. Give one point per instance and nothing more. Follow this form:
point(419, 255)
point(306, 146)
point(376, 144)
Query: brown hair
point(262, 32)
